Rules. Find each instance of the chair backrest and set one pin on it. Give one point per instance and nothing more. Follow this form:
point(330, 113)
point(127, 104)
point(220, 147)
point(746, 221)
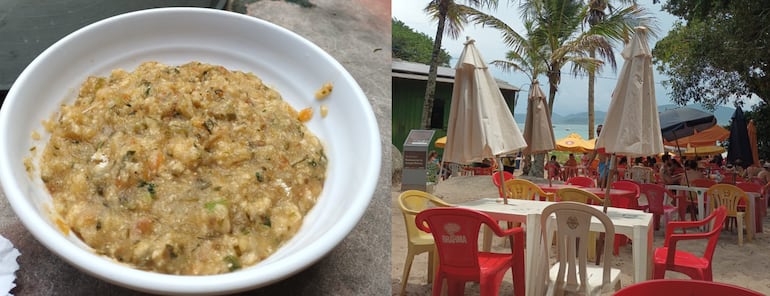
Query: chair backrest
point(578, 195)
point(523, 189)
point(749, 187)
point(684, 287)
point(627, 202)
point(456, 232)
point(413, 202)
point(641, 174)
point(496, 180)
point(581, 181)
point(506, 176)
point(702, 182)
point(573, 223)
point(656, 196)
point(726, 195)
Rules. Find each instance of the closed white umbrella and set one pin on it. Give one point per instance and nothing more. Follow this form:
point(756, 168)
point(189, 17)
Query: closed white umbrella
point(480, 123)
point(538, 131)
point(632, 127)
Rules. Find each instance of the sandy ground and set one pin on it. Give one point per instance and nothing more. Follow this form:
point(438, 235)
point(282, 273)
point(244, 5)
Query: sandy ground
point(747, 266)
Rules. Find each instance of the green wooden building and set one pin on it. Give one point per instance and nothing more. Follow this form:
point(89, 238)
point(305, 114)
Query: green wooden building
point(409, 81)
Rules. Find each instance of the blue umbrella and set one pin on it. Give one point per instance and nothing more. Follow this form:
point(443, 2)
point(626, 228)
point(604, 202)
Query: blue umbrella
point(739, 147)
point(682, 122)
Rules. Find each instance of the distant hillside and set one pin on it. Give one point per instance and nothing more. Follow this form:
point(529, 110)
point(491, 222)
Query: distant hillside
point(722, 113)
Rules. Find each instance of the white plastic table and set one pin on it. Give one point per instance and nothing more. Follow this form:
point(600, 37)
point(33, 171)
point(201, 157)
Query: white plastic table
point(632, 223)
point(701, 192)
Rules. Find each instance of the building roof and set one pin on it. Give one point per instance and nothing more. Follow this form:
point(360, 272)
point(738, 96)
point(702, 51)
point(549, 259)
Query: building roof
point(417, 71)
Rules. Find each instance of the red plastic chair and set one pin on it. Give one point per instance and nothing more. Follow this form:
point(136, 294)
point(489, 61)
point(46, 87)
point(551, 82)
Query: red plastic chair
point(496, 179)
point(697, 268)
point(706, 183)
point(456, 232)
point(656, 196)
point(582, 181)
point(626, 202)
point(684, 287)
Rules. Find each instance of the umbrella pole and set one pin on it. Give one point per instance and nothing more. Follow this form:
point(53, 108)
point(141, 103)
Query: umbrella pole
point(440, 171)
point(502, 179)
point(686, 179)
point(610, 172)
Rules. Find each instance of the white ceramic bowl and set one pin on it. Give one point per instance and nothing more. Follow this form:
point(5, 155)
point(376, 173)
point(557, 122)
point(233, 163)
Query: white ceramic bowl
point(284, 60)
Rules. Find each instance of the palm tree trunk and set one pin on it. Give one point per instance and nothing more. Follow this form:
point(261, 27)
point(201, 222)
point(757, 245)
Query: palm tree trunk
point(591, 82)
point(430, 88)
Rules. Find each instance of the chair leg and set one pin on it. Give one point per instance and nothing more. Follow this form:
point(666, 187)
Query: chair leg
point(432, 264)
point(740, 230)
point(490, 285)
point(455, 287)
point(659, 272)
point(407, 268)
point(438, 282)
point(487, 243)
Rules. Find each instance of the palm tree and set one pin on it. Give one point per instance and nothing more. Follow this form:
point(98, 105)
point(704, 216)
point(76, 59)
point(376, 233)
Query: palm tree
point(556, 29)
point(617, 25)
point(550, 44)
point(450, 16)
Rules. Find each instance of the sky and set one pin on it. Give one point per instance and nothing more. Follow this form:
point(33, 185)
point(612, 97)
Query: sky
point(572, 96)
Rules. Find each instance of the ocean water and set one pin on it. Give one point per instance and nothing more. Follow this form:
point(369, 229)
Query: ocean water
point(563, 130)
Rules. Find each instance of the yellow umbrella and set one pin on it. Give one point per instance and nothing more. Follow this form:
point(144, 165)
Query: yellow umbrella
point(704, 150)
point(440, 142)
point(575, 143)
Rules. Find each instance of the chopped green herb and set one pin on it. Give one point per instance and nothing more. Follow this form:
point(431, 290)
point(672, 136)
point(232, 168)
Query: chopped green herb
point(213, 204)
point(232, 262)
point(209, 124)
point(129, 155)
point(266, 221)
point(260, 178)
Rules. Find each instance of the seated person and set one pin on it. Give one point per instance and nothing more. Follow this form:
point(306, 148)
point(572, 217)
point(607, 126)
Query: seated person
point(764, 175)
point(691, 173)
point(571, 161)
point(570, 167)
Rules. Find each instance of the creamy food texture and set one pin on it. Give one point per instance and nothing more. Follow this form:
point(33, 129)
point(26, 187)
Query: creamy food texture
point(191, 169)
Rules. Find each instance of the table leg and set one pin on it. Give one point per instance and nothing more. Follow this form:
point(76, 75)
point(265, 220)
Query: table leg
point(533, 263)
point(701, 205)
point(642, 253)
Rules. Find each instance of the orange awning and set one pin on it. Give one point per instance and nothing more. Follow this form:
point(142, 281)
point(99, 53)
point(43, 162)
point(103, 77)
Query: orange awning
point(707, 137)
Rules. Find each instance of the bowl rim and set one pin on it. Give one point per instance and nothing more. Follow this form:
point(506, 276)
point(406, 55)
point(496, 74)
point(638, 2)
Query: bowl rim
point(223, 283)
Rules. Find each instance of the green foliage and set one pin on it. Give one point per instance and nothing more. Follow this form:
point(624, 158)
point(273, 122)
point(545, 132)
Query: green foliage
point(413, 46)
point(720, 54)
point(432, 171)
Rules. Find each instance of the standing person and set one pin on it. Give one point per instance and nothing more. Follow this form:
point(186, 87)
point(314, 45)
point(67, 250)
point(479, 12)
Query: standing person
point(601, 155)
point(553, 167)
